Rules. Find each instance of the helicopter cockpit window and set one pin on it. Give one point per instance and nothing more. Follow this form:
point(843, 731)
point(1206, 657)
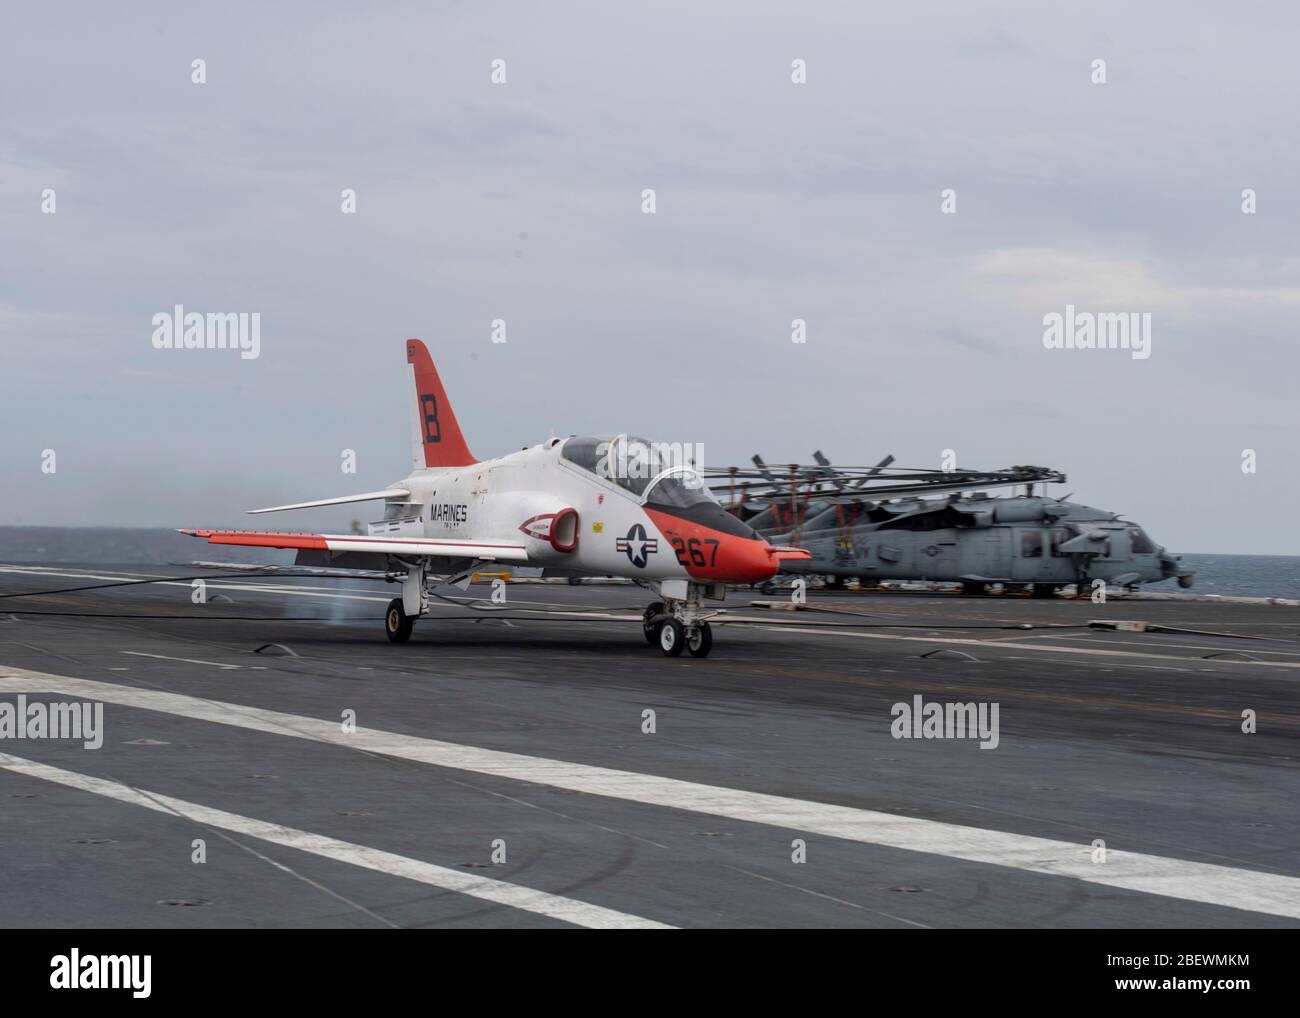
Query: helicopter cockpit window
point(679, 487)
point(1031, 544)
point(1142, 545)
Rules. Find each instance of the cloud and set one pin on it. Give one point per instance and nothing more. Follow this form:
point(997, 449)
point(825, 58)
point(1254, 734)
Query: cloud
point(775, 202)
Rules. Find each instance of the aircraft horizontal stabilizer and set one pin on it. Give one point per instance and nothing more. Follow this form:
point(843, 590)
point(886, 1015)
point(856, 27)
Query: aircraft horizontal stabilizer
point(490, 551)
point(365, 496)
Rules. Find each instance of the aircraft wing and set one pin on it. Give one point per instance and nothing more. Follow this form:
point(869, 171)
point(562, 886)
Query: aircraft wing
point(500, 552)
point(365, 496)
point(783, 553)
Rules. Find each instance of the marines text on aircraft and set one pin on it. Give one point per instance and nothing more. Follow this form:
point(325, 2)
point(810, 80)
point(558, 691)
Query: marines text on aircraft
point(574, 507)
point(1021, 541)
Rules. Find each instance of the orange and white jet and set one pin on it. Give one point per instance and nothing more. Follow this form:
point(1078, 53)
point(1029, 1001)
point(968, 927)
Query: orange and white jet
point(577, 506)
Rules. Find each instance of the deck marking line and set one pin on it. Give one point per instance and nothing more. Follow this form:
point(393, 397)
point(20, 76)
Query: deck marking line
point(500, 892)
point(1209, 883)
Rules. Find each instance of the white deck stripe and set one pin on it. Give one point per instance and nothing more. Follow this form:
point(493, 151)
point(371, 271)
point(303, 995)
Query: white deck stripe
point(1003, 644)
point(500, 892)
point(186, 660)
point(1211, 884)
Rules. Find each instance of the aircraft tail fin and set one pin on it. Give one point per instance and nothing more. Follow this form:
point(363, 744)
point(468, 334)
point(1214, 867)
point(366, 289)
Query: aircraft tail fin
point(436, 437)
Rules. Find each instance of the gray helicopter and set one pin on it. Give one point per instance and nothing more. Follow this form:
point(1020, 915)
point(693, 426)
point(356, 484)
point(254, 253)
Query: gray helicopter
point(875, 524)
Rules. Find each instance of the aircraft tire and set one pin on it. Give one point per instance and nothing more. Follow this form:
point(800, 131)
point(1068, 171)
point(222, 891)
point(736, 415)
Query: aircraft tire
point(651, 629)
point(700, 642)
point(672, 637)
point(397, 624)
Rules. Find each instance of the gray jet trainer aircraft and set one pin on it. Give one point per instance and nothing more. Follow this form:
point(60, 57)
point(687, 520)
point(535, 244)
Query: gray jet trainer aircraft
point(1023, 541)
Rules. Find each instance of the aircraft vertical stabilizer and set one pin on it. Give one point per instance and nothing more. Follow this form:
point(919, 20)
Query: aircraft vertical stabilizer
point(436, 437)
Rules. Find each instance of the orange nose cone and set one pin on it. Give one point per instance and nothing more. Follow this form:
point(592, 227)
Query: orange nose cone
point(742, 560)
point(724, 552)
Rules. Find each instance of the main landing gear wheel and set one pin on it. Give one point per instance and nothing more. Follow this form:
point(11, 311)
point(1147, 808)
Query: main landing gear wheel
point(672, 637)
point(397, 624)
point(700, 642)
point(651, 628)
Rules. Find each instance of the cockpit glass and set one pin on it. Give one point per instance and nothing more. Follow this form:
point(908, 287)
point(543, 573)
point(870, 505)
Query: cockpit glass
point(630, 462)
point(637, 465)
point(679, 487)
point(581, 452)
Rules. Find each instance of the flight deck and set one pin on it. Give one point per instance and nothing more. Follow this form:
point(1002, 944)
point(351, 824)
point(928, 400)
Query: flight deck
point(269, 759)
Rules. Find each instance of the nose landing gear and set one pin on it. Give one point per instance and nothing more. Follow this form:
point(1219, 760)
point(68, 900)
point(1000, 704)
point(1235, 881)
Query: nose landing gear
point(700, 642)
point(650, 622)
point(672, 638)
point(679, 624)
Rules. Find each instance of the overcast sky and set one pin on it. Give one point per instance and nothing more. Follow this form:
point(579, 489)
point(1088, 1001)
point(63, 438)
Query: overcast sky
point(522, 201)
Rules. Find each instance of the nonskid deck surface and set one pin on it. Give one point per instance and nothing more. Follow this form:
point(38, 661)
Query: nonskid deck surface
point(520, 737)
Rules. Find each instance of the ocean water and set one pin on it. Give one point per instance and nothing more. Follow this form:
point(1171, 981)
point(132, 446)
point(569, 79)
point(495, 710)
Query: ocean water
point(1242, 575)
point(123, 546)
point(1237, 575)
